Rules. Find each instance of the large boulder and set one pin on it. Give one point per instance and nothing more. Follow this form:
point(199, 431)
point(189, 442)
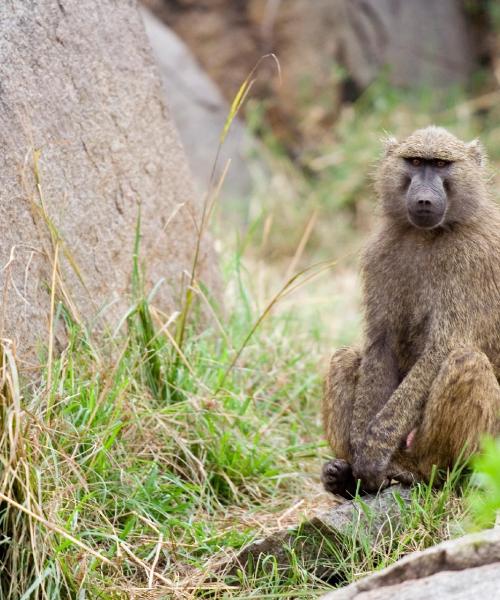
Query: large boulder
point(420, 43)
point(221, 34)
point(85, 139)
point(200, 113)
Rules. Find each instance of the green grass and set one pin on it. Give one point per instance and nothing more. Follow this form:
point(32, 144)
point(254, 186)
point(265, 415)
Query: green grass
point(138, 470)
point(147, 459)
point(485, 497)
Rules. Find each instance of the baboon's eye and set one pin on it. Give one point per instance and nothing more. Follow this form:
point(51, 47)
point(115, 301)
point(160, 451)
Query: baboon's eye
point(416, 162)
point(440, 163)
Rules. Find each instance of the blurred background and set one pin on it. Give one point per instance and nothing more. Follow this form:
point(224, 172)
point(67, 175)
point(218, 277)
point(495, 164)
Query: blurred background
point(329, 79)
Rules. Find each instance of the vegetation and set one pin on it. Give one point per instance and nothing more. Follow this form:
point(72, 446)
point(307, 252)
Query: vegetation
point(129, 469)
point(148, 456)
point(485, 497)
point(136, 464)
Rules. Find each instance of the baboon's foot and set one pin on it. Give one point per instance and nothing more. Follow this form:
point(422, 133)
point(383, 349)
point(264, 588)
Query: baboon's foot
point(337, 478)
point(404, 468)
point(404, 477)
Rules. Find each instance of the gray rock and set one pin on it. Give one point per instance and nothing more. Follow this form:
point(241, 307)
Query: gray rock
point(322, 541)
point(482, 582)
point(424, 42)
point(464, 568)
point(200, 113)
point(79, 88)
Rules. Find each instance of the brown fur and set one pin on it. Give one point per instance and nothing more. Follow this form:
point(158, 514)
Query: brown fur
point(431, 356)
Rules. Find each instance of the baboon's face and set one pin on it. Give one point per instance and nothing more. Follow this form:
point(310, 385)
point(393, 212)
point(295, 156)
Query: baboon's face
point(431, 180)
point(426, 195)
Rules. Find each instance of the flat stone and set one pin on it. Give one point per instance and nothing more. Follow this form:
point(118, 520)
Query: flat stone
point(319, 542)
point(471, 584)
point(465, 568)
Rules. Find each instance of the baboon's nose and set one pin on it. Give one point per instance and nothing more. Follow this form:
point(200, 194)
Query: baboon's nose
point(424, 204)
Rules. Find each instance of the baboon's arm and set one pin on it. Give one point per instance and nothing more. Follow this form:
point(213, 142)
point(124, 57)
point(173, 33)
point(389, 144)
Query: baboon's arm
point(396, 418)
point(378, 378)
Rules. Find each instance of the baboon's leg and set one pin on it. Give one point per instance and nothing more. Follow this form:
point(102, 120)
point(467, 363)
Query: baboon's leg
point(338, 401)
point(463, 405)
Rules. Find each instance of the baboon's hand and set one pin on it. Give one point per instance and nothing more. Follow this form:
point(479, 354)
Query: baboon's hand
point(372, 471)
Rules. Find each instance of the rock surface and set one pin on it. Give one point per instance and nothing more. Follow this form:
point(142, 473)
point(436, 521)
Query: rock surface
point(466, 568)
point(200, 113)
point(424, 42)
point(81, 104)
point(320, 541)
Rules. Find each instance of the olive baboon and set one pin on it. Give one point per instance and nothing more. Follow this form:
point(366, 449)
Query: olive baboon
point(425, 386)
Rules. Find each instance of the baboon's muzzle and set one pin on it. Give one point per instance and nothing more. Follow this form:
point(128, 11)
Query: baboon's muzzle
point(426, 199)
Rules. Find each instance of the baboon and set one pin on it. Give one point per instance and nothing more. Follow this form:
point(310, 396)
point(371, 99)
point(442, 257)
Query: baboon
point(425, 386)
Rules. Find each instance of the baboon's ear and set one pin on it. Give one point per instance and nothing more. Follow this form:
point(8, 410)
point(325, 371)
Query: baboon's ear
point(390, 144)
point(476, 151)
